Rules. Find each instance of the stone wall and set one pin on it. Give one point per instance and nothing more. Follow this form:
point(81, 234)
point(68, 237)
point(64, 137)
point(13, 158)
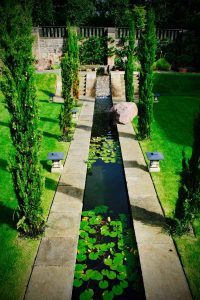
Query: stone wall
point(47, 50)
point(49, 41)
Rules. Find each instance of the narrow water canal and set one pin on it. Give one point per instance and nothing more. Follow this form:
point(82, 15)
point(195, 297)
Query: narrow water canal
point(107, 265)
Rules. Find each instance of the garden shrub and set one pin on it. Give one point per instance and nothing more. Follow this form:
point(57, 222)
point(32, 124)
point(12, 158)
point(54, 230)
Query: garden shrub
point(162, 65)
point(94, 51)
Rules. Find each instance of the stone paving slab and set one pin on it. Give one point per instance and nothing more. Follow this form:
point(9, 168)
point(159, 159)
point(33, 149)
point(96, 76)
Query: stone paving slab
point(162, 272)
point(56, 252)
point(73, 180)
point(63, 224)
point(161, 256)
point(50, 283)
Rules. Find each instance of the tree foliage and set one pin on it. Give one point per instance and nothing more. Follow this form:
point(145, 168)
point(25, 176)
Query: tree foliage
point(129, 87)
point(146, 57)
point(188, 203)
point(72, 49)
point(17, 84)
point(94, 51)
point(67, 80)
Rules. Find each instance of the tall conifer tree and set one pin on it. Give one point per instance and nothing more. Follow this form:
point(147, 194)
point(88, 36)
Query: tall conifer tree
point(18, 86)
point(147, 58)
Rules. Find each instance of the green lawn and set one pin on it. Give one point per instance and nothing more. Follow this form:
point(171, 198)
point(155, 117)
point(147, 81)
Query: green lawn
point(171, 133)
point(17, 254)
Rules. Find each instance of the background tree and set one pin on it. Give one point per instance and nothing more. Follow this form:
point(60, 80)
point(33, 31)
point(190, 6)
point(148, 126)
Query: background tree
point(129, 87)
point(66, 109)
point(42, 12)
point(188, 203)
point(18, 87)
point(147, 58)
point(72, 50)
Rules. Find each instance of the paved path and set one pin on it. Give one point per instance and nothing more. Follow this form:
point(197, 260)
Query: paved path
point(162, 272)
point(53, 270)
point(52, 275)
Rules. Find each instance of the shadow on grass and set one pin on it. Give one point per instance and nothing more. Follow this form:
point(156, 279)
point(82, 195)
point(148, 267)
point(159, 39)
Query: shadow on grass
point(5, 124)
point(46, 92)
point(48, 120)
point(4, 165)
point(7, 216)
point(51, 135)
point(134, 164)
point(45, 101)
point(45, 165)
point(50, 184)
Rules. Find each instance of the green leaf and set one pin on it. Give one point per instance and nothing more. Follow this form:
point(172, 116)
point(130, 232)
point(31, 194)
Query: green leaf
point(118, 259)
point(101, 209)
point(111, 275)
point(96, 275)
point(124, 284)
point(103, 284)
point(105, 230)
point(117, 290)
point(83, 234)
point(121, 269)
point(108, 261)
point(92, 231)
point(121, 276)
point(87, 294)
point(93, 256)
point(78, 282)
point(81, 257)
point(108, 295)
point(113, 234)
point(80, 267)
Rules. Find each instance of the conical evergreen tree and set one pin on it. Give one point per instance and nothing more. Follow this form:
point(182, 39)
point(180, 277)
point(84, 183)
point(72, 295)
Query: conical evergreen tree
point(188, 203)
point(18, 86)
point(146, 57)
point(129, 87)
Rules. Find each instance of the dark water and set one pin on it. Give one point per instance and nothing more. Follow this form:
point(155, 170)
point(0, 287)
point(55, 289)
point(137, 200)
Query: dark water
point(105, 185)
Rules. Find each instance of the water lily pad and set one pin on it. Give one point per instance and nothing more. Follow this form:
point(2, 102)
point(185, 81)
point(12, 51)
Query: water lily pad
point(117, 290)
point(92, 231)
point(87, 295)
point(103, 284)
point(124, 284)
point(80, 267)
point(105, 230)
point(122, 276)
point(96, 275)
point(78, 282)
point(108, 295)
point(113, 234)
point(93, 256)
point(108, 261)
point(81, 257)
point(83, 234)
point(111, 275)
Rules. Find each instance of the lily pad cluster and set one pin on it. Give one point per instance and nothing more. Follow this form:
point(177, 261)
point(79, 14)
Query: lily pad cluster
point(107, 258)
point(105, 149)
